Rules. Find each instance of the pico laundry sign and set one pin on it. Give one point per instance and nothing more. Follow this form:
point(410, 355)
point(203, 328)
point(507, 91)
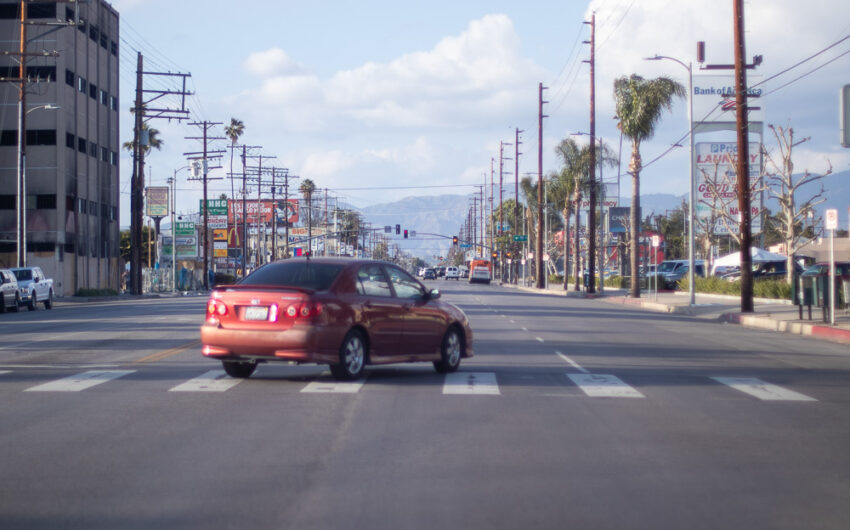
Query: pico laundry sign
point(716, 183)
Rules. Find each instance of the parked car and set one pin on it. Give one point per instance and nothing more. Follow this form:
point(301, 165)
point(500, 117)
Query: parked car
point(440, 271)
point(430, 274)
point(464, 272)
point(11, 296)
point(765, 270)
point(452, 273)
point(340, 312)
point(34, 286)
point(674, 270)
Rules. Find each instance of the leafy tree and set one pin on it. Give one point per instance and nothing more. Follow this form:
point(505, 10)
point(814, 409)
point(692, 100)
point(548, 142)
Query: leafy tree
point(640, 103)
point(124, 245)
point(307, 188)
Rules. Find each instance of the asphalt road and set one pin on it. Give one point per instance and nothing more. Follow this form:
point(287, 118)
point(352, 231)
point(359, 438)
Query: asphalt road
point(572, 414)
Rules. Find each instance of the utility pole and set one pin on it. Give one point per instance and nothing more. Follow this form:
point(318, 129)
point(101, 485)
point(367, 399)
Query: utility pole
point(514, 262)
point(539, 250)
point(492, 180)
point(743, 166)
point(591, 215)
point(143, 112)
point(205, 126)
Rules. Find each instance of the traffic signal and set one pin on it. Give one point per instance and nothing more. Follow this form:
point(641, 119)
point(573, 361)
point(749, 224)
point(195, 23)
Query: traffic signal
point(397, 229)
point(405, 233)
point(454, 240)
point(495, 254)
point(508, 254)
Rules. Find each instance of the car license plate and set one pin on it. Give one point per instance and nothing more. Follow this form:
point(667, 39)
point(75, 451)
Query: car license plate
point(256, 313)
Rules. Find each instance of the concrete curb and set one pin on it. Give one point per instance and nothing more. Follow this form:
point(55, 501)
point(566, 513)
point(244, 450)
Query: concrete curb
point(788, 326)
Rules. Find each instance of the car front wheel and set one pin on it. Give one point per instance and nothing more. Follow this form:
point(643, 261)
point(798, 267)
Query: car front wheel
point(240, 370)
point(352, 357)
point(450, 352)
point(33, 301)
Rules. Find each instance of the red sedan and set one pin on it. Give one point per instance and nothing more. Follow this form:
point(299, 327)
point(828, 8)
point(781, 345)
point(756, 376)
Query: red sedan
point(341, 312)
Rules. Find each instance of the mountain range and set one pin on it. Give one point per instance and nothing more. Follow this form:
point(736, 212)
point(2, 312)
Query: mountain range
point(436, 218)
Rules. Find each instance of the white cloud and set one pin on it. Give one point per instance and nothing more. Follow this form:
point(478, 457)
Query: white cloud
point(272, 62)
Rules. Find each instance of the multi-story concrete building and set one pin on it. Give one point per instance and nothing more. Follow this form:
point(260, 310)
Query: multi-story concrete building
point(72, 177)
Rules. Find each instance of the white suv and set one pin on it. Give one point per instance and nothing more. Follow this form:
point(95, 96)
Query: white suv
point(452, 273)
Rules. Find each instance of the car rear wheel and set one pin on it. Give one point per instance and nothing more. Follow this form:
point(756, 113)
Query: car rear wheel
point(352, 357)
point(450, 352)
point(238, 369)
point(33, 301)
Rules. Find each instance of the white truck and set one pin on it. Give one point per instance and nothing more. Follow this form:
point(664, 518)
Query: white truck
point(34, 287)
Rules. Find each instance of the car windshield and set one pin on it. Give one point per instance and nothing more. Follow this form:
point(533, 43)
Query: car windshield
point(316, 276)
point(667, 266)
point(23, 274)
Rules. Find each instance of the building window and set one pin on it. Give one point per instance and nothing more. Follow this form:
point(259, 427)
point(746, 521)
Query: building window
point(94, 34)
point(104, 154)
point(113, 103)
point(93, 91)
point(113, 48)
point(103, 41)
point(9, 137)
point(42, 10)
point(69, 14)
point(42, 73)
point(69, 203)
point(69, 140)
point(8, 202)
point(45, 202)
point(113, 158)
point(92, 208)
point(81, 145)
point(81, 85)
point(9, 11)
point(69, 77)
point(93, 149)
point(104, 211)
point(104, 98)
point(41, 137)
point(81, 25)
point(12, 72)
point(114, 213)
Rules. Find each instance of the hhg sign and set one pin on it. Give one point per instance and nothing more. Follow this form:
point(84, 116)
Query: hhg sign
point(186, 239)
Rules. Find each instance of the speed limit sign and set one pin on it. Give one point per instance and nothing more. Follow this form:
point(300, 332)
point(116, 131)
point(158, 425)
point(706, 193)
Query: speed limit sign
point(831, 220)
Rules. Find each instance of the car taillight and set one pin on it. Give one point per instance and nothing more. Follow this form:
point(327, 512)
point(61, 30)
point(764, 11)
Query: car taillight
point(304, 310)
point(215, 310)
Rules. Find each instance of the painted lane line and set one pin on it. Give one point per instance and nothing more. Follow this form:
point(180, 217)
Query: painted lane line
point(571, 362)
point(525, 329)
point(78, 382)
point(478, 383)
point(513, 321)
point(762, 390)
point(598, 385)
point(57, 366)
point(333, 387)
point(5, 372)
point(538, 339)
point(212, 381)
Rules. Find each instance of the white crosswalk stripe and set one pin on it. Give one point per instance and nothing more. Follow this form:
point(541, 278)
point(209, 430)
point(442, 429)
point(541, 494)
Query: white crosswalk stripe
point(212, 381)
point(79, 382)
point(477, 383)
point(603, 385)
point(762, 390)
point(327, 386)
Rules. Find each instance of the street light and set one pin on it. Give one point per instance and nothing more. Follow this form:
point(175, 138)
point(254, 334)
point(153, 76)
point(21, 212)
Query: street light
point(691, 205)
point(22, 179)
point(173, 182)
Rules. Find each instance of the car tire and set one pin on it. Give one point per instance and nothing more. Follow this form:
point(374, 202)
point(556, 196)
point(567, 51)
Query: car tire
point(352, 357)
point(17, 305)
point(2, 303)
point(239, 369)
point(451, 351)
point(32, 306)
point(48, 304)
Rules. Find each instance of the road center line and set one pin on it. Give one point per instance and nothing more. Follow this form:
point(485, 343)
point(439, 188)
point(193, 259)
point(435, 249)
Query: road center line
point(167, 353)
point(571, 362)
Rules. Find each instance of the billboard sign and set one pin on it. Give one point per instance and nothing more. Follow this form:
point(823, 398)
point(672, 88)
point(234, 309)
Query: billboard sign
point(285, 210)
point(186, 240)
point(714, 100)
point(716, 183)
point(156, 203)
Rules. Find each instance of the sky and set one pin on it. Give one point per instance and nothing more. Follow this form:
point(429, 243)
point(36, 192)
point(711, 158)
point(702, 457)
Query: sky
point(365, 96)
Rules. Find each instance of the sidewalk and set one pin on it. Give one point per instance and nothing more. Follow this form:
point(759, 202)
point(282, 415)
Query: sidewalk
point(775, 315)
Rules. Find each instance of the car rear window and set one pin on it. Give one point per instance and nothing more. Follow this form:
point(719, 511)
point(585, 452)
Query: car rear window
point(23, 274)
point(316, 276)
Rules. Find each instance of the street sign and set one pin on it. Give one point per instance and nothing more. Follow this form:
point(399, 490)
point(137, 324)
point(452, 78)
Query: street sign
point(465, 245)
point(521, 239)
point(831, 219)
point(656, 241)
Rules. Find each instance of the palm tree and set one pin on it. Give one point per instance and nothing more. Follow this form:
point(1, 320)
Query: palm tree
point(307, 188)
point(640, 103)
point(154, 141)
point(233, 131)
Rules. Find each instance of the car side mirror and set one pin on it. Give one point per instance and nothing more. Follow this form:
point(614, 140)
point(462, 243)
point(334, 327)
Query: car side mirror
point(433, 294)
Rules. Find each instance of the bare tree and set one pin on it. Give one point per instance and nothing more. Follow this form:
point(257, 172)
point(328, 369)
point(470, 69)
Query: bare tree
point(783, 186)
